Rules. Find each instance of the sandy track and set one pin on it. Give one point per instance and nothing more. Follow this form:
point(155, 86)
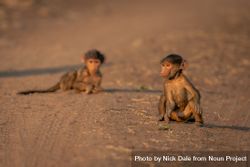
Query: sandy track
point(69, 129)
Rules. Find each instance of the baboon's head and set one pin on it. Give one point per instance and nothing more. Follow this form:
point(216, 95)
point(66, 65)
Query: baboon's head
point(171, 65)
point(93, 59)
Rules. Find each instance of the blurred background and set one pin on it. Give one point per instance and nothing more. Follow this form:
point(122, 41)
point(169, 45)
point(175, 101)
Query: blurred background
point(42, 39)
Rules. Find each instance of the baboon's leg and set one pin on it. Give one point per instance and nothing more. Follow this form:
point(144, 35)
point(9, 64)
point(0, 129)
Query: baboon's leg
point(162, 107)
point(97, 89)
point(174, 116)
point(89, 89)
point(65, 86)
point(198, 117)
point(190, 110)
point(80, 86)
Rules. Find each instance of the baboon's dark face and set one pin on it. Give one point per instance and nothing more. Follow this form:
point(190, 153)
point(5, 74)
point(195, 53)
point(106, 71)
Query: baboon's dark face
point(93, 65)
point(166, 68)
point(169, 70)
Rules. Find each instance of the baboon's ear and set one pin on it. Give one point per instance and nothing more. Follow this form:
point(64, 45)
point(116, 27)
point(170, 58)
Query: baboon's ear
point(82, 58)
point(184, 65)
point(105, 60)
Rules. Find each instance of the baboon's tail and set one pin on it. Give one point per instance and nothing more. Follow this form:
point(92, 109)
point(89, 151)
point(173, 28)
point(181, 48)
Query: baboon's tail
point(51, 89)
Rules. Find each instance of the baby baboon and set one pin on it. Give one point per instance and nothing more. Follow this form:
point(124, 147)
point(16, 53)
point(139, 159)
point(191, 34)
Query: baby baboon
point(180, 100)
point(87, 79)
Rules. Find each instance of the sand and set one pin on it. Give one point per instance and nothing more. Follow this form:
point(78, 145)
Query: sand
point(73, 129)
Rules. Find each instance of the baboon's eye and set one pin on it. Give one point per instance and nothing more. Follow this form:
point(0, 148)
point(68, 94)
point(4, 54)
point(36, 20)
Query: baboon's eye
point(168, 65)
point(90, 61)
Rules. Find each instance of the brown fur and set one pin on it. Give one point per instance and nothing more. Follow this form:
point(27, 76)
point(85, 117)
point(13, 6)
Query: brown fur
point(180, 100)
point(79, 80)
point(87, 79)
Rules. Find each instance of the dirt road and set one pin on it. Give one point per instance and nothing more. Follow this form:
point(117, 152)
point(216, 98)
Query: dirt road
point(72, 129)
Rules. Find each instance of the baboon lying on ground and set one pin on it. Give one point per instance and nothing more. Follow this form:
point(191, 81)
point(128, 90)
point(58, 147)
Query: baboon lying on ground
point(180, 100)
point(86, 79)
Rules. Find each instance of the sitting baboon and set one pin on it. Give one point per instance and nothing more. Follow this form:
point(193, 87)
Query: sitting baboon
point(180, 100)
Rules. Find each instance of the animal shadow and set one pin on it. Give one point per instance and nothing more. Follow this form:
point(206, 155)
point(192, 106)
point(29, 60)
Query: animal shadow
point(114, 90)
point(232, 127)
